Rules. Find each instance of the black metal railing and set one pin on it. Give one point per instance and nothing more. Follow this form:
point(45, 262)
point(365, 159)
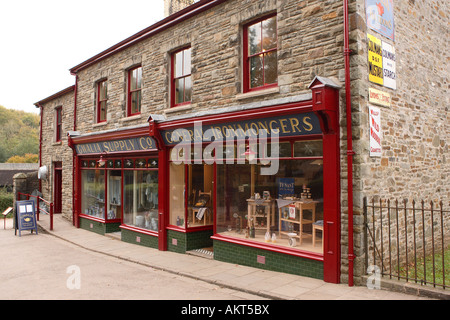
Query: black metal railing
point(408, 241)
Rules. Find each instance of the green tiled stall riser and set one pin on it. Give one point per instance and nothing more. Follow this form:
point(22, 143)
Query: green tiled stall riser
point(142, 239)
point(181, 242)
point(268, 260)
point(98, 227)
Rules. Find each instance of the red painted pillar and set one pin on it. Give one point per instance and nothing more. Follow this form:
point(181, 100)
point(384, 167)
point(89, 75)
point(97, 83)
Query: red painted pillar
point(326, 105)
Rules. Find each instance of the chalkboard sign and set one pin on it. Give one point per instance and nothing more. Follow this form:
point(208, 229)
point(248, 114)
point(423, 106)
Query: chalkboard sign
point(25, 218)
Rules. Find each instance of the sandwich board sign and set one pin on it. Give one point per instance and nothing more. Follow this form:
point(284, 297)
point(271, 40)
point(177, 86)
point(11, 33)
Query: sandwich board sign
point(25, 218)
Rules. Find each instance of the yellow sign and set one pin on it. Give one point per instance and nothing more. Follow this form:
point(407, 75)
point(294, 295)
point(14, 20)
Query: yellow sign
point(375, 59)
point(380, 98)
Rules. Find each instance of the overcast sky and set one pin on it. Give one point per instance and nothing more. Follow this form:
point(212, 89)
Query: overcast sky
point(40, 40)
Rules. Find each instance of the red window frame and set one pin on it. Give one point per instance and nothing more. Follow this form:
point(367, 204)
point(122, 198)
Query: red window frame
point(185, 75)
point(58, 122)
point(134, 91)
point(102, 98)
point(247, 83)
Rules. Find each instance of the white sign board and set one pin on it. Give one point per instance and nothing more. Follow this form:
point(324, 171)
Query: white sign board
point(375, 131)
point(389, 75)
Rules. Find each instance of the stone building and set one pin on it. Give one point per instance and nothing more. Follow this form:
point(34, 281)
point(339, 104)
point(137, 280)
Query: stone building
point(278, 65)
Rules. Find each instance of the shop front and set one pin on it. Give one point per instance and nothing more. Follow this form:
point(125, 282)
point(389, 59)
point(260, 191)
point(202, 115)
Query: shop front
point(258, 186)
point(117, 184)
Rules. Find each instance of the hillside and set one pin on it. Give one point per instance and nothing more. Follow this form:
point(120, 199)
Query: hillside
point(19, 134)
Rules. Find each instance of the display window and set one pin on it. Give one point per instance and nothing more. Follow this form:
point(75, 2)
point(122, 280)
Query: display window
point(284, 209)
point(121, 189)
point(280, 209)
point(191, 195)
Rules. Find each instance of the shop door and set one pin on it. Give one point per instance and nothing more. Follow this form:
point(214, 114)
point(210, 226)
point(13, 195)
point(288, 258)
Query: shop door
point(57, 197)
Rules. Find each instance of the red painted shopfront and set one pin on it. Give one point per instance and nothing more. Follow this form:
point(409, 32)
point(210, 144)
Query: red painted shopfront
point(265, 178)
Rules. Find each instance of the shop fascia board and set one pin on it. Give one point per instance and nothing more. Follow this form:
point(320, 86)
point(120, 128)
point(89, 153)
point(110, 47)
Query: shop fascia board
point(113, 134)
point(224, 113)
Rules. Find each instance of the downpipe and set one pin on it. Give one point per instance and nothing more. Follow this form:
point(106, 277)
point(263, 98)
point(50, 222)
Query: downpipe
point(350, 151)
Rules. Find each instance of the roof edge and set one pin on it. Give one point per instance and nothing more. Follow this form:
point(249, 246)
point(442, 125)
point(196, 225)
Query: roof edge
point(54, 96)
point(159, 26)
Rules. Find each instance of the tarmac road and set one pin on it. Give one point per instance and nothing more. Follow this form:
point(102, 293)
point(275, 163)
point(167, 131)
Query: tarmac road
point(42, 267)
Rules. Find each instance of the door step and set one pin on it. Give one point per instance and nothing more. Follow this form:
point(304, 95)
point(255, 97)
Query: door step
point(207, 253)
point(114, 235)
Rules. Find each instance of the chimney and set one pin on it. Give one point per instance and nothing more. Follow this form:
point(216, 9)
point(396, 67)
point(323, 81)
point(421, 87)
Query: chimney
point(172, 6)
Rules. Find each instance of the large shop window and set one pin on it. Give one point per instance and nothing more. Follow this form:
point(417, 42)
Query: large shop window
point(191, 194)
point(131, 191)
point(284, 209)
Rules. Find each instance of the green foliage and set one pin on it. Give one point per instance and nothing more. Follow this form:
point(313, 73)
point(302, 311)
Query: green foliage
point(19, 133)
point(6, 201)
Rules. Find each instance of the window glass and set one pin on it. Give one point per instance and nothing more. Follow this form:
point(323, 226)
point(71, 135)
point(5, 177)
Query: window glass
point(282, 209)
point(261, 55)
point(256, 71)
point(140, 199)
point(198, 196)
point(269, 33)
point(58, 120)
point(200, 209)
point(182, 85)
point(93, 193)
point(313, 148)
point(176, 200)
point(134, 92)
point(114, 206)
point(270, 68)
point(101, 101)
point(254, 39)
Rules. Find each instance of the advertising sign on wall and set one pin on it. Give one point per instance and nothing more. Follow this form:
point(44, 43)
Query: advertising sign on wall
point(375, 131)
point(375, 59)
point(389, 76)
point(380, 17)
point(381, 57)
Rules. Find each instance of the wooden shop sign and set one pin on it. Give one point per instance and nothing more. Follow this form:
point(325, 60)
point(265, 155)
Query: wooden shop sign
point(122, 145)
point(283, 126)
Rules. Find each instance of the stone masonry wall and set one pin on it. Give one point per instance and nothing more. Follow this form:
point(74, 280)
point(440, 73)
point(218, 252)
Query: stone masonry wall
point(415, 128)
point(310, 43)
point(58, 151)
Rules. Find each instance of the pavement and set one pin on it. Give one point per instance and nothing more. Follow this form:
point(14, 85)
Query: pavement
point(266, 284)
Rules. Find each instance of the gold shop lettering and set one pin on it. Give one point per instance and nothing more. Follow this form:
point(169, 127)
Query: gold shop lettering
point(124, 145)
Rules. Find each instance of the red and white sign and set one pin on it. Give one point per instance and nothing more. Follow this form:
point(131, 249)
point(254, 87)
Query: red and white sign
point(375, 131)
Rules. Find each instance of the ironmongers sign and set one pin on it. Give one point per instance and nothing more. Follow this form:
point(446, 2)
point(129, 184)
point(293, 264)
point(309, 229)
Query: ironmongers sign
point(283, 126)
point(122, 145)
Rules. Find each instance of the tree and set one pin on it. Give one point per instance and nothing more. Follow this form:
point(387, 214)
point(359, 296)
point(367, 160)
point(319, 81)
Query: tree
point(19, 133)
point(27, 158)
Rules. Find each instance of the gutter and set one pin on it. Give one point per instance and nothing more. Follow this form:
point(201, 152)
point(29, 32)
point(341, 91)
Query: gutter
point(40, 140)
point(350, 152)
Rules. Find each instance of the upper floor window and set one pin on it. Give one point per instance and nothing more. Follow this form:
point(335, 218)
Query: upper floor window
point(58, 121)
point(181, 77)
point(102, 92)
point(260, 54)
point(134, 91)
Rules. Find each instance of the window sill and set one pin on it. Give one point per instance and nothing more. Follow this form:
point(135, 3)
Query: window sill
point(131, 118)
point(100, 124)
point(178, 109)
point(57, 143)
point(257, 93)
